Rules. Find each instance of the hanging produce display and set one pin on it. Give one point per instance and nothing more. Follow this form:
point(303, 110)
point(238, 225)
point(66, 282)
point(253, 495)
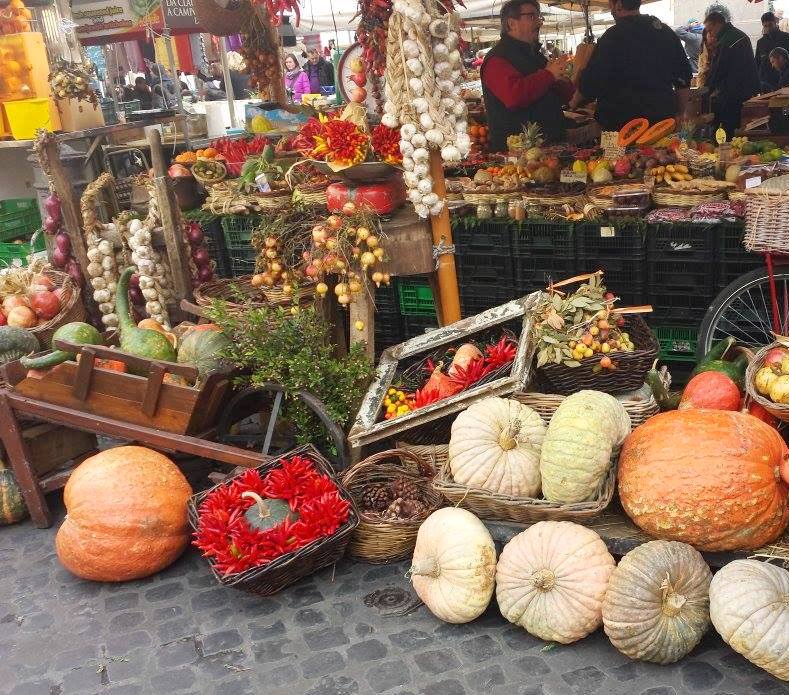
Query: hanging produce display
point(14, 17)
point(423, 99)
point(72, 81)
point(260, 50)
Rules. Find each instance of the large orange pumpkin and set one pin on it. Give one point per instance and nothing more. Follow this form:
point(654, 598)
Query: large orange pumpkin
point(709, 478)
point(126, 515)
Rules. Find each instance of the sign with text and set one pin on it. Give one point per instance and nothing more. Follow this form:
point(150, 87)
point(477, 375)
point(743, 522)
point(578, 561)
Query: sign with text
point(179, 14)
point(111, 19)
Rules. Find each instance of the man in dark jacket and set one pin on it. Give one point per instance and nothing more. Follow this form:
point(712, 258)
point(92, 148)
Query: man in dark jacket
point(773, 38)
point(519, 84)
point(779, 60)
point(638, 69)
point(733, 78)
point(319, 71)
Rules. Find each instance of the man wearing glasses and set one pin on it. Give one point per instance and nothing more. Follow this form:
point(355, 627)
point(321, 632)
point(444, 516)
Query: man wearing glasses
point(638, 69)
point(519, 84)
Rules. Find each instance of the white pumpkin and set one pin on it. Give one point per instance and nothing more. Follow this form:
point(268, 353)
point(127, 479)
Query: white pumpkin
point(749, 607)
point(551, 579)
point(495, 445)
point(656, 607)
point(454, 565)
point(576, 455)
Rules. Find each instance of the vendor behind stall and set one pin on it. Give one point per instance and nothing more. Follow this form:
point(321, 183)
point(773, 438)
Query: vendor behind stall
point(519, 84)
point(638, 70)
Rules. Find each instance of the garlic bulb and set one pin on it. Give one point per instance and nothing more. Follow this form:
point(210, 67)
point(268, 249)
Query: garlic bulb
point(421, 155)
point(415, 66)
point(425, 121)
point(411, 48)
point(389, 120)
point(408, 131)
point(406, 148)
point(419, 140)
point(416, 86)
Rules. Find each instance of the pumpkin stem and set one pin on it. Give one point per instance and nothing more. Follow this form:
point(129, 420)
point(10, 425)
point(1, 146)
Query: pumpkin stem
point(425, 568)
point(263, 509)
point(543, 579)
point(508, 439)
point(672, 601)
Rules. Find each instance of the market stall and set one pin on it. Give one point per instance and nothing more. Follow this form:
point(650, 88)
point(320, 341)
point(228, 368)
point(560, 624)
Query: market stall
point(417, 348)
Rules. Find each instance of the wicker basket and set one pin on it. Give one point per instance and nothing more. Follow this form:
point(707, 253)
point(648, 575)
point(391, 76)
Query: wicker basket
point(523, 510)
point(766, 216)
point(545, 404)
point(304, 295)
point(229, 289)
point(310, 195)
point(776, 409)
point(737, 196)
point(220, 21)
point(387, 540)
point(274, 200)
point(290, 568)
point(631, 367)
point(73, 310)
point(477, 198)
point(667, 197)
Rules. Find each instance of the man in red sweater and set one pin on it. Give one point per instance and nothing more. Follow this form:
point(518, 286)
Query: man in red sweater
point(519, 84)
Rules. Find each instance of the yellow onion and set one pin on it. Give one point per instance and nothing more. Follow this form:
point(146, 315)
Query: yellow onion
point(765, 378)
point(779, 391)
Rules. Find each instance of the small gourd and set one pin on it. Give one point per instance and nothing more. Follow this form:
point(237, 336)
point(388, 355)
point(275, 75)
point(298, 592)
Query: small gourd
point(12, 504)
point(267, 513)
point(16, 343)
point(454, 565)
point(749, 607)
point(551, 579)
point(495, 445)
point(584, 432)
point(656, 607)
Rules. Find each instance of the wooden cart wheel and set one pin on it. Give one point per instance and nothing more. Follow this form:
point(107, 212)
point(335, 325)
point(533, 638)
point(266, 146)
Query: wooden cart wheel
point(256, 400)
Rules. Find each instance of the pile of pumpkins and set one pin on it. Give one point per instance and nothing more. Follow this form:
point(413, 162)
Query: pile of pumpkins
point(558, 581)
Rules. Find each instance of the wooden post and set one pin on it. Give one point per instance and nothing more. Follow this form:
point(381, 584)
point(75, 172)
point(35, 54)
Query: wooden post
point(363, 310)
point(449, 298)
point(171, 215)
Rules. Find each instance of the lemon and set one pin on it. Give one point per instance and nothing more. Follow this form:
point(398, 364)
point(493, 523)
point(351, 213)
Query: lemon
point(260, 124)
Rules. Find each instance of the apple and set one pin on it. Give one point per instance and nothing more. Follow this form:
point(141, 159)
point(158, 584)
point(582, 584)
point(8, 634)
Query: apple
point(359, 79)
point(358, 95)
point(357, 65)
point(3, 319)
point(775, 356)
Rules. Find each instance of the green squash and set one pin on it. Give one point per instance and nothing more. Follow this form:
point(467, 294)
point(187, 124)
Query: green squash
point(734, 370)
point(75, 332)
point(142, 342)
point(16, 343)
point(12, 504)
point(267, 513)
point(204, 350)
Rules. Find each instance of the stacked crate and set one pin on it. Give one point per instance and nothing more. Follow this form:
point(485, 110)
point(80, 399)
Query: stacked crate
point(241, 254)
point(20, 235)
point(542, 252)
point(213, 239)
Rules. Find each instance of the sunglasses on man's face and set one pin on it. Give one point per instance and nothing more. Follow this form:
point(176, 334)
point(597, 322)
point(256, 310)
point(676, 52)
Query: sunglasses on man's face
point(532, 15)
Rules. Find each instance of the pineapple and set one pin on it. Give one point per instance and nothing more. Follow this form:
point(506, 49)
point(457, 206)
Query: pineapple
point(532, 141)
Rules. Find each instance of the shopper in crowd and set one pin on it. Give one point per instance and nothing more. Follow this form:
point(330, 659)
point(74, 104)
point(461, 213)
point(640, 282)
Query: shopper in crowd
point(519, 84)
point(214, 87)
point(319, 71)
point(733, 78)
point(706, 58)
point(772, 38)
point(638, 69)
point(142, 91)
point(328, 51)
point(297, 84)
point(552, 51)
point(690, 35)
point(779, 60)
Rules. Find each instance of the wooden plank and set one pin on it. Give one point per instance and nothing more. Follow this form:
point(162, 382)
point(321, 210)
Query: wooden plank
point(156, 439)
point(363, 309)
point(408, 243)
point(22, 464)
point(153, 390)
point(84, 372)
point(171, 218)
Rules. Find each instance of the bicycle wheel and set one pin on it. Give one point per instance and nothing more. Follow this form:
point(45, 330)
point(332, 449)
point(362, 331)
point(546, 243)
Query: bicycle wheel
point(744, 310)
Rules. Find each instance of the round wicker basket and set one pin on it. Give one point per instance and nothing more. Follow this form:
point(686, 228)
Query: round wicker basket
point(382, 540)
point(72, 308)
point(777, 410)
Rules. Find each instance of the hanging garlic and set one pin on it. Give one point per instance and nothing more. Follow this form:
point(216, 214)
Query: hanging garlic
point(416, 86)
point(419, 140)
point(411, 48)
point(415, 66)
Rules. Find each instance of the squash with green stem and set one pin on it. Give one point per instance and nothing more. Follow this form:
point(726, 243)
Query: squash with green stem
point(142, 342)
point(75, 332)
point(16, 343)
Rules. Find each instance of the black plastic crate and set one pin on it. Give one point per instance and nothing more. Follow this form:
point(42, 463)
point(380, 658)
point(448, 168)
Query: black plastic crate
point(729, 271)
point(729, 240)
point(389, 330)
point(681, 275)
point(678, 307)
point(593, 240)
point(682, 241)
point(545, 239)
point(475, 299)
point(624, 276)
point(418, 325)
point(536, 272)
point(476, 268)
point(386, 298)
point(485, 236)
point(213, 239)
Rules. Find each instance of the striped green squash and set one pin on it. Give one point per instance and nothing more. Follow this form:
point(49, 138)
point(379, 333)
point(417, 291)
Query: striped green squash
point(12, 504)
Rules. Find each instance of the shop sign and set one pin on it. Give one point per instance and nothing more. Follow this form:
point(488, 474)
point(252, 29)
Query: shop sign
point(179, 14)
point(115, 16)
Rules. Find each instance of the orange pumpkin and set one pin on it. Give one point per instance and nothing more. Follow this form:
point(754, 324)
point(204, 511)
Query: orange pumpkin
point(712, 390)
point(710, 478)
point(126, 515)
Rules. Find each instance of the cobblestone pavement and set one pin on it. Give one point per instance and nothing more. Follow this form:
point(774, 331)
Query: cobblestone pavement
point(179, 632)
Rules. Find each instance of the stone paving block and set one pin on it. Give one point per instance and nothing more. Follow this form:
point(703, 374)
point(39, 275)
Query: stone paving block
point(174, 680)
point(387, 675)
point(436, 661)
point(334, 685)
point(366, 651)
point(326, 638)
point(322, 663)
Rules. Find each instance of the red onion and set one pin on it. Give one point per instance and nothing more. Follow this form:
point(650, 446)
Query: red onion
point(73, 269)
point(51, 225)
point(52, 206)
point(205, 273)
point(59, 258)
point(134, 280)
point(63, 243)
point(196, 283)
point(135, 294)
point(201, 257)
point(195, 235)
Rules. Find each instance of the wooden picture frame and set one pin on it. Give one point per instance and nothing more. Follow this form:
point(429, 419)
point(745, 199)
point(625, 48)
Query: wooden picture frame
point(367, 427)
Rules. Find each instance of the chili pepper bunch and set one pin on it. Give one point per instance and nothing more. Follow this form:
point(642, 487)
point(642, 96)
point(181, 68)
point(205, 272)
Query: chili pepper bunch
point(277, 9)
point(386, 144)
point(236, 152)
point(341, 142)
point(373, 25)
point(233, 545)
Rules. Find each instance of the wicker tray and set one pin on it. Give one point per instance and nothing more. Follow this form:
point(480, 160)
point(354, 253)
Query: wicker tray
point(310, 195)
point(669, 198)
point(290, 568)
point(737, 196)
point(523, 510)
point(554, 200)
point(766, 218)
point(274, 200)
point(477, 198)
point(387, 540)
point(776, 409)
point(73, 310)
point(632, 367)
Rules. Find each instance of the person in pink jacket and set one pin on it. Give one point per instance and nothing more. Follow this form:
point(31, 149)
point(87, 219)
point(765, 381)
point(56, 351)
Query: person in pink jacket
point(297, 84)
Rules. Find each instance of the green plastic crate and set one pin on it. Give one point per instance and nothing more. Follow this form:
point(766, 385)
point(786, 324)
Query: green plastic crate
point(238, 233)
point(677, 343)
point(416, 297)
point(18, 217)
point(16, 254)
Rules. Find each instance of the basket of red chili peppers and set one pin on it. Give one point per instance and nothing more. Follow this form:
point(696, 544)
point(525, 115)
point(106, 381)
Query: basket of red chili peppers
point(270, 526)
